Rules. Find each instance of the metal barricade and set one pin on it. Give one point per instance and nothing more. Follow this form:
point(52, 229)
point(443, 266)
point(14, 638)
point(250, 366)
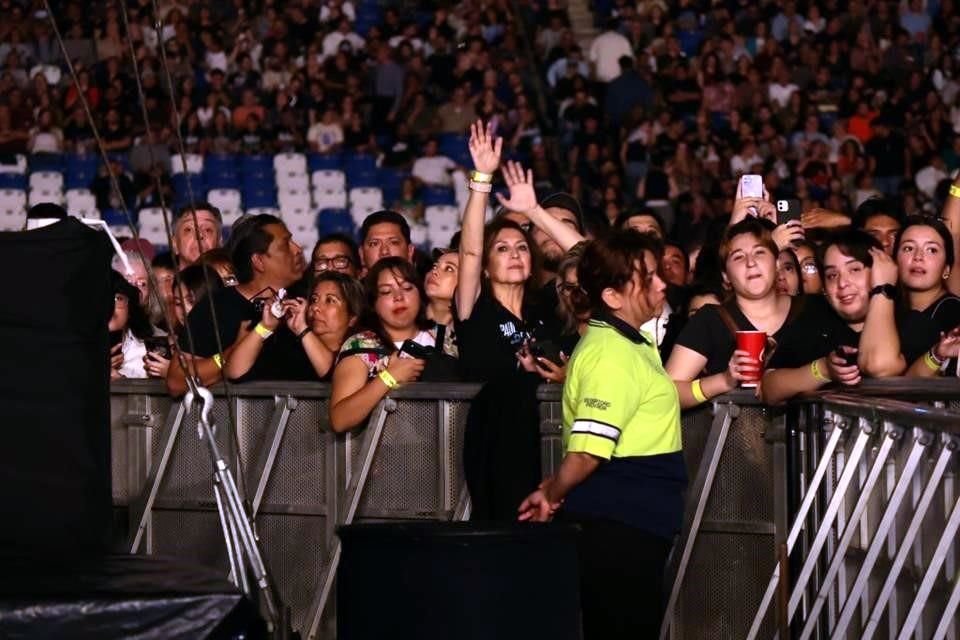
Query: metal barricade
point(873, 542)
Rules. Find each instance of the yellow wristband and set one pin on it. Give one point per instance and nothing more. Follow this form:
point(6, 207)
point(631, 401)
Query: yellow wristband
point(931, 362)
point(817, 374)
point(955, 191)
point(479, 176)
point(697, 390)
point(388, 379)
point(218, 360)
point(262, 331)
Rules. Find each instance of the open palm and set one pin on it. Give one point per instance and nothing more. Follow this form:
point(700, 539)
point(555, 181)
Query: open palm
point(522, 196)
point(484, 147)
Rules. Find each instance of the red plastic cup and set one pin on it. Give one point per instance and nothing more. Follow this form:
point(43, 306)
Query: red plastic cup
point(754, 343)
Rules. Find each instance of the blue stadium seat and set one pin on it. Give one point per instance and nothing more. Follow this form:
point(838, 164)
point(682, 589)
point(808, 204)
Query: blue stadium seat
point(335, 221)
point(115, 217)
point(362, 179)
point(122, 158)
point(438, 195)
point(324, 162)
point(197, 185)
point(358, 162)
point(46, 162)
point(220, 171)
point(259, 195)
point(13, 181)
point(390, 182)
point(80, 171)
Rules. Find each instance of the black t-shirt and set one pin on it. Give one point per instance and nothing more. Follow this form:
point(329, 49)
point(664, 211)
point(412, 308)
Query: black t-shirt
point(490, 337)
point(888, 153)
point(920, 330)
point(814, 333)
point(707, 333)
point(282, 356)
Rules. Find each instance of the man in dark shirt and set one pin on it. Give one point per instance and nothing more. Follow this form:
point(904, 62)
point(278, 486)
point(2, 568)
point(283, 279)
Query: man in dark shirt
point(887, 155)
point(266, 259)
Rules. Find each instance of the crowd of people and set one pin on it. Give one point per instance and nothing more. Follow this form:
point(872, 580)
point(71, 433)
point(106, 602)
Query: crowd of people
point(623, 268)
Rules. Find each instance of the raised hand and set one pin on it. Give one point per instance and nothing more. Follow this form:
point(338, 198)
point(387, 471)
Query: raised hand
point(788, 234)
point(295, 315)
point(884, 270)
point(522, 196)
point(484, 147)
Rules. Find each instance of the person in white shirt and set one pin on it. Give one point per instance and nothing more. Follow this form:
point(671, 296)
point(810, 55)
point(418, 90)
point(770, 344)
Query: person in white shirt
point(606, 51)
point(432, 168)
point(931, 175)
point(326, 136)
point(332, 41)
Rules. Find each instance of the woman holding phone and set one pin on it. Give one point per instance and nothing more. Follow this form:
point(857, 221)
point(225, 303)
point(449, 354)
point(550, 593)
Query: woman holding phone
point(373, 362)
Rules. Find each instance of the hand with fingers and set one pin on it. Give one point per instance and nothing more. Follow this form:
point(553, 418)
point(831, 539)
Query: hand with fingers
point(526, 359)
point(116, 357)
point(948, 346)
point(741, 367)
point(551, 371)
point(523, 198)
point(789, 234)
point(295, 315)
point(537, 507)
point(884, 270)
point(267, 319)
point(484, 147)
point(155, 365)
point(842, 366)
point(405, 370)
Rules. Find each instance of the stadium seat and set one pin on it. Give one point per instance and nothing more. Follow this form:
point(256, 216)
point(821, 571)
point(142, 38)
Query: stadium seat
point(220, 171)
point(390, 182)
point(13, 220)
point(19, 165)
point(155, 234)
point(116, 218)
point(13, 181)
point(294, 200)
point(80, 171)
point(46, 162)
point(194, 163)
point(12, 200)
point(293, 181)
point(441, 214)
point(80, 202)
point(49, 180)
point(39, 196)
point(418, 235)
point(359, 163)
point(439, 235)
point(230, 217)
point(259, 196)
point(256, 211)
point(290, 163)
point(366, 197)
point(225, 199)
point(299, 218)
point(362, 179)
point(324, 161)
point(186, 183)
point(438, 195)
point(153, 216)
point(335, 221)
point(330, 198)
point(306, 237)
point(359, 212)
point(329, 179)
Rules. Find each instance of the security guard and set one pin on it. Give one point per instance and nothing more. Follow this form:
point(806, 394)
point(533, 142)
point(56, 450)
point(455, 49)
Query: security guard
point(623, 473)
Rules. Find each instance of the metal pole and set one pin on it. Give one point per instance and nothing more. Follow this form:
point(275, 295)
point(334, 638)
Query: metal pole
point(920, 442)
point(697, 503)
point(808, 499)
point(839, 557)
point(264, 466)
point(913, 530)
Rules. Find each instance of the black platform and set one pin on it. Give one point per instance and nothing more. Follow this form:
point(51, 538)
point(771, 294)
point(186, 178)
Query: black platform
point(122, 596)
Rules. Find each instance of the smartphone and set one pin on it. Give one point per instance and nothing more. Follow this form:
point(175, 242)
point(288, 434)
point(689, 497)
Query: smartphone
point(788, 210)
point(849, 358)
point(751, 186)
point(416, 350)
point(116, 337)
point(547, 349)
point(158, 345)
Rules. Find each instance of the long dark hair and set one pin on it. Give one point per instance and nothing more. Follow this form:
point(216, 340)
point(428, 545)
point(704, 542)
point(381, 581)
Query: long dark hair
point(137, 321)
point(401, 269)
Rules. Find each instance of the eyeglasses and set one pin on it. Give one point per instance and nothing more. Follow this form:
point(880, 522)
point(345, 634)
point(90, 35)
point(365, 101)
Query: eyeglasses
point(336, 262)
point(810, 268)
point(566, 288)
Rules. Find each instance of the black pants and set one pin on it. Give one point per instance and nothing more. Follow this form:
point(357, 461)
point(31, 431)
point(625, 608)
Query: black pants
point(621, 579)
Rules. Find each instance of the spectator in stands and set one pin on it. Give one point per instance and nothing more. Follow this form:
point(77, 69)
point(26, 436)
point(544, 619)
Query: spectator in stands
point(320, 324)
point(103, 187)
point(455, 115)
point(384, 234)
point(46, 137)
point(606, 51)
point(887, 157)
point(387, 81)
point(326, 136)
point(439, 287)
point(610, 450)
point(373, 362)
point(705, 361)
point(115, 134)
point(877, 217)
point(852, 336)
point(202, 222)
point(433, 169)
point(335, 252)
point(11, 140)
point(627, 92)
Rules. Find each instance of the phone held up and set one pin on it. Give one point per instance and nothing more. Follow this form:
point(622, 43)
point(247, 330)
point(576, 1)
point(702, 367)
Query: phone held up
point(788, 211)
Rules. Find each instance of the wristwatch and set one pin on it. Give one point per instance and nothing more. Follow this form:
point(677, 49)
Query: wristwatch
point(884, 289)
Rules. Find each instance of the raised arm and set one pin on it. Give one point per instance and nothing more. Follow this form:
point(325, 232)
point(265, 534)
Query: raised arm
point(523, 199)
point(485, 151)
point(354, 395)
point(880, 355)
point(321, 358)
point(247, 348)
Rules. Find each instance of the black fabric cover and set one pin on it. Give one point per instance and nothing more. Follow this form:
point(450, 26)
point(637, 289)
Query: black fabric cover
point(55, 489)
point(143, 597)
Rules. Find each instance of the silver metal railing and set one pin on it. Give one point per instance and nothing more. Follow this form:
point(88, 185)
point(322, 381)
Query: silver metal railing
point(873, 541)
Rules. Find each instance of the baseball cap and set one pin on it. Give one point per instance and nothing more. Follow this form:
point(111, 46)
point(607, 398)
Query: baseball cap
point(566, 201)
